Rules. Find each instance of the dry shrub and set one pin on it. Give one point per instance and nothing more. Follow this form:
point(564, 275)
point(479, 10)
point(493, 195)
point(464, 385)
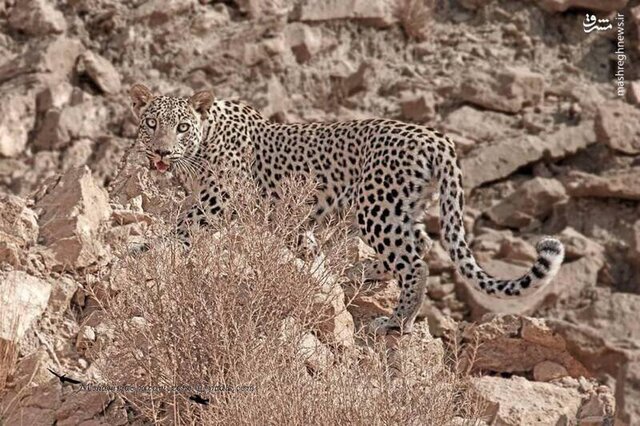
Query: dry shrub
point(9, 322)
point(416, 17)
point(225, 321)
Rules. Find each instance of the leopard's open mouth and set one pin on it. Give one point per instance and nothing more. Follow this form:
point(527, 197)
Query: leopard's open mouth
point(159, 165)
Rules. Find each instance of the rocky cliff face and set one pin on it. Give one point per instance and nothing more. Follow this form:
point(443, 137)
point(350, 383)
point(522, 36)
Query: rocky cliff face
point(547, 146)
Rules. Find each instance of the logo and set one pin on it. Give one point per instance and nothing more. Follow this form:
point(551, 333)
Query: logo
point(592, 23)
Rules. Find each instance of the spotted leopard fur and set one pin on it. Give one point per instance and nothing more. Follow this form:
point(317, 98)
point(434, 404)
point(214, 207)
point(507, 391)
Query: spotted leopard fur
point(383, 168)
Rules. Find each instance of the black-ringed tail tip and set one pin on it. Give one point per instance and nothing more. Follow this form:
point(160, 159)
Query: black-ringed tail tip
point(550, 257)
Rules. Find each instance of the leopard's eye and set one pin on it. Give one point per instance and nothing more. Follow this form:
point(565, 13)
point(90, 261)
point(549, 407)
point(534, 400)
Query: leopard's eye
point(183, 127)
point(151, 123)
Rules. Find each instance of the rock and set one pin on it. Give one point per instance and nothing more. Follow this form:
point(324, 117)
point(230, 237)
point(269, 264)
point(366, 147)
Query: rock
point(52, 59)
point(601, 5)
point(303, 40)
point(635, 248)
point(418, 109)
point(548, 370)
point(371, 301)
point(54, 96)
point(624, 184)
point(125, 217)
point(509, 90)
point(100, 71)
point(86, 337)
point(78, 154)
point(529, 204)
point(474, 4)
point(18, 229)
point(35, 406)
point(599, 407)
point(162, 11)
point(516, 249)
point(633, 92)
point(415, 356)
point(577, 245)
point(63, 290)
point(628, 393)
point(490, 244)
point(84, 408)
point(31, 370)
point(478, 125)
point(614, 314)
point(635, 14)
point(347, 81)
point(416, 17)
point(73, 212)
point(60, 126)
point(439, 324)
point(37, 18)
point(258, 8)
point(505, 157)
point(438, 259)
point(209, 20)
point(437, 290)
point(513, 344)
point(375, 13)
point(517, 401)
point(16, 121)
point(338, 329)
point(18, 224)
point(617, 125)
point(317, 357)
point(277, 100)
point(590, 348)
point(463, 144)
point(23, 298)
point(256, 53)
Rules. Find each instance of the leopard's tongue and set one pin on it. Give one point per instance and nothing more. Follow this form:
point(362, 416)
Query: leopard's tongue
point(161, 166)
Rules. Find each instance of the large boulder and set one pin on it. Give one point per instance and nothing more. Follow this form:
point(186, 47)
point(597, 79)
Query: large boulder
point(73, 213)
point(60, 126)
point(517, 401)
point(530, 203)
point(305, 41)
point(100, 71)
point(23, 299)
point(16, 121)
point(376, 13)
point(37, 18)
point(53, 60)
point(509, 90)
point(499, 160)
point(514, 344)
point(337, 328)
point(628, 392)
point(624, 184)
point(18, 228)
point(618, 126)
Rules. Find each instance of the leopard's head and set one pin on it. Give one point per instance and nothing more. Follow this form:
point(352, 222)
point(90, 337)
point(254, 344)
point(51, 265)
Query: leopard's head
point(170, 128)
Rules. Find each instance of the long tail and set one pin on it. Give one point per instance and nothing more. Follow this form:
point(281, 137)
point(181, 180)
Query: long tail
point(550, 251)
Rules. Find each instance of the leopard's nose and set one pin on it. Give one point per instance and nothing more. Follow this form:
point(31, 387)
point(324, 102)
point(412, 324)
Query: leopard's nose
point(162, 152)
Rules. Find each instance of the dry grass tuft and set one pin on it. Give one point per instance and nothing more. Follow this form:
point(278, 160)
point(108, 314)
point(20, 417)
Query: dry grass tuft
point(416, 17)
point(230, 315)
point(9, 322)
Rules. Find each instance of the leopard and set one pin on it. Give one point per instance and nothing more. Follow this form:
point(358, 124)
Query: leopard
point(385, 170)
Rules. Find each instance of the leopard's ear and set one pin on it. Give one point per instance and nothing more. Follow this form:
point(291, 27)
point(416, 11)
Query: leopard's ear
point(202, 101)
point(141, 96)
